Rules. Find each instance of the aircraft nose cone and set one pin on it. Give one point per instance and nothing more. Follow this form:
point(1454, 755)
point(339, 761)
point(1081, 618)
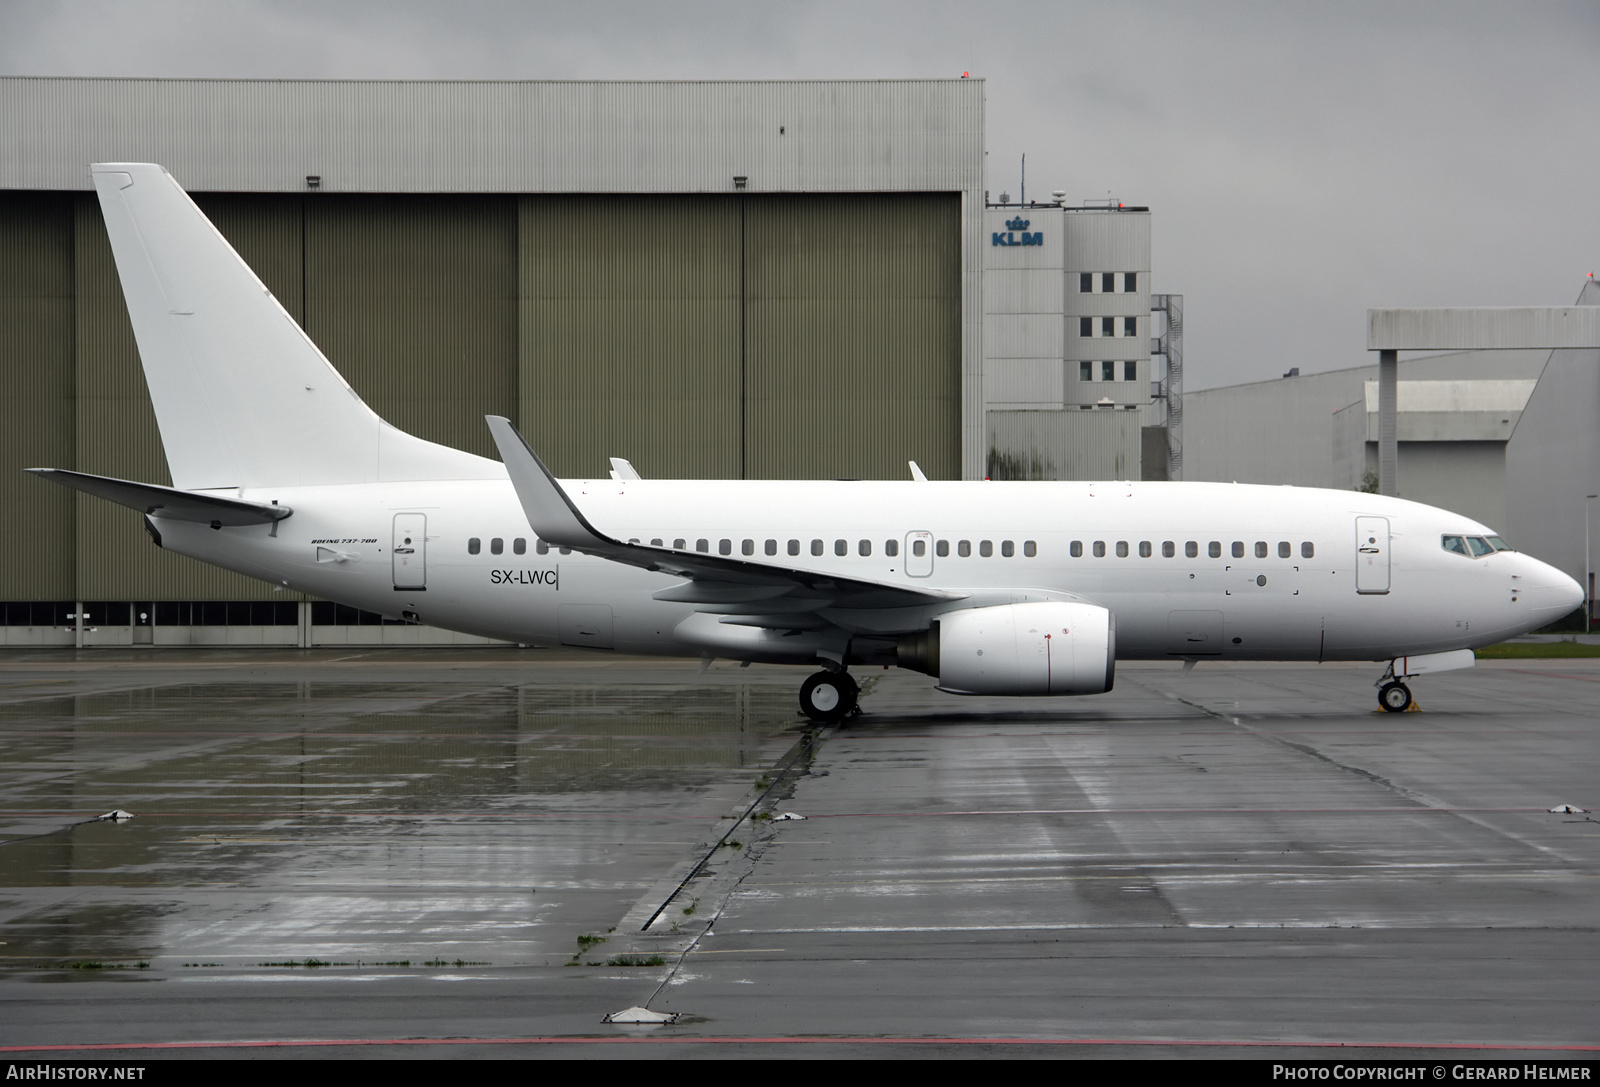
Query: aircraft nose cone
point(1553, 592)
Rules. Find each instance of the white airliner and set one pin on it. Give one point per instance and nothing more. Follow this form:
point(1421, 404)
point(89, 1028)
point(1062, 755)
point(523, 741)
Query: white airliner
point(281, 472)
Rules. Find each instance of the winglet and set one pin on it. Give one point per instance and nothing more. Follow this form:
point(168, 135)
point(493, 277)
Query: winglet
point(916, 472)
point(551, 514)
point(622, 470)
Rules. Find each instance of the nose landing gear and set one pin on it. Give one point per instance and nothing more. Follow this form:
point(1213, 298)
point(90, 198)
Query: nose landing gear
point(829, 697)
point(1394, 696)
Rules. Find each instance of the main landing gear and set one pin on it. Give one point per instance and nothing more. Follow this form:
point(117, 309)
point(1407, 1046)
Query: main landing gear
point(829, 697)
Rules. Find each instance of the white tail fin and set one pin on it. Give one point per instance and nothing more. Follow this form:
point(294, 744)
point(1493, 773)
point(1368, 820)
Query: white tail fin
point(242, 396)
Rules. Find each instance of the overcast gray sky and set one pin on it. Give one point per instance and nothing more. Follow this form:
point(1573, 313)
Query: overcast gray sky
point(1303, 161)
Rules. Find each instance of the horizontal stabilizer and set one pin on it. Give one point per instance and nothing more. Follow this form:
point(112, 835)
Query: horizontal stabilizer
point(147, 498)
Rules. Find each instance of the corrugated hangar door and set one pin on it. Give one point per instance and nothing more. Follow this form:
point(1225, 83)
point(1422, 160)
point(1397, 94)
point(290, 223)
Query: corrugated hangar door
point(628, 339)
point(853, 336)
point(763, 337)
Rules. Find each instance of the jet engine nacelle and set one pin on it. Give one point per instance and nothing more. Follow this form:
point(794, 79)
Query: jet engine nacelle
point(1019, 649)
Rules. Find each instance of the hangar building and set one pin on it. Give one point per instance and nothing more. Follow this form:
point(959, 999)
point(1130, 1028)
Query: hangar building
point(714, 280)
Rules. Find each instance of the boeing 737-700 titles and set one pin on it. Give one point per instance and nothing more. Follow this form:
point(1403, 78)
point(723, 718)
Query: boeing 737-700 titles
point(281, 472)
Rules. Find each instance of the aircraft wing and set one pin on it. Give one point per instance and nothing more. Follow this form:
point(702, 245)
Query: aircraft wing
point(757, 593)
point(149, 498)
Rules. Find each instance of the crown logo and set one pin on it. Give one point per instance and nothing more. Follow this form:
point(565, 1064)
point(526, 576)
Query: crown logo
point(1019, 223)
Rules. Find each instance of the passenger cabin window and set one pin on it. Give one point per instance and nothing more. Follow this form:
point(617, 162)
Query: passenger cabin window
point(864, 548)
point(519, 546)
point(771, 547)
point(964, 549)
point(1214, 549)
point(656, 542)
point(1007, 549)
point(1284, 551)
point(1144, 549)
point(919, 548)
point(1099, 549)
point(1076, 550)
point(496, 546)
point(565, 550)
point(544, 548)
point(474, 545)
point(702, 545)
point(1122, 549)
point(816, 547)
point(794, 547)
point(942, 548)
point(1029, 549)
point(986, 548)
point(841, 547)
point(891, 548)
point(1168, 549)
point(1191, 550)
point(747, 547)
point(1307, 551)
point(1238, 549)
point(724, 547)
point(679, 544)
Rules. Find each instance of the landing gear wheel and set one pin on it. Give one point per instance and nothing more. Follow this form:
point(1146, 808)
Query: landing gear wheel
point(1394, 697)
point(827, 697)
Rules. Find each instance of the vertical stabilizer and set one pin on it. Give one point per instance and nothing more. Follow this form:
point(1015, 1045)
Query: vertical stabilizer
point(242, 396)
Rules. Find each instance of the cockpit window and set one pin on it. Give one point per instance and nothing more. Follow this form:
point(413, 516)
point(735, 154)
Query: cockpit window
point(1473, 546)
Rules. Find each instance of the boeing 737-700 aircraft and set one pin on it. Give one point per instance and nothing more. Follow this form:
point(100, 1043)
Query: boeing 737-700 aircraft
point(281, 472)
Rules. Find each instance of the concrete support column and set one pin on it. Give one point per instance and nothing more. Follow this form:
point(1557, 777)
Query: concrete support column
point(305, 624)
point(1388, 447)
point(77, 624)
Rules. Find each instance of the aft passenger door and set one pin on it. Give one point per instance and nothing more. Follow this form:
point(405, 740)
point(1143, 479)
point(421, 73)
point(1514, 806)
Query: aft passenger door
point(1372, 555)
point(410, 551)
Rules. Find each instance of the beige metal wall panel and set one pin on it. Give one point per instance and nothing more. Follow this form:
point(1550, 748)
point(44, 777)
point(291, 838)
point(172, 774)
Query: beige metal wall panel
point(1107, 241)
point(1023, 335)
point(36, 413)
point(115, 435)
point(853, 336)
point(413, 299)
point(1095, 445)
point(1022, 290)
point(630, 334)
point(386, 136)
point(1023, 383)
